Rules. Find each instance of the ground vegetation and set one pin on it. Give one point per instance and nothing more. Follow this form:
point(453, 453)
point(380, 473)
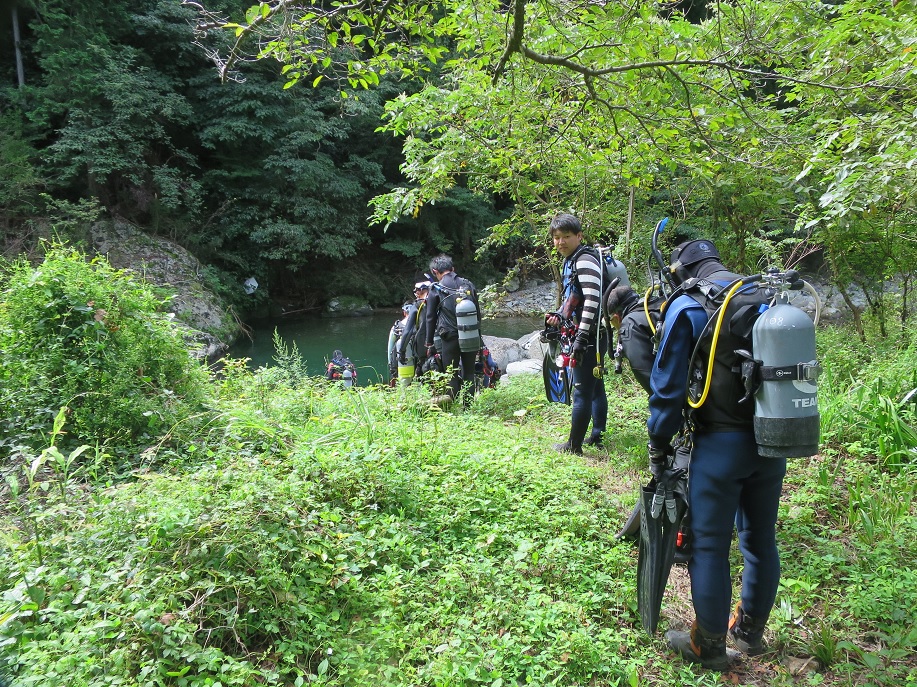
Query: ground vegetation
point(293, 531)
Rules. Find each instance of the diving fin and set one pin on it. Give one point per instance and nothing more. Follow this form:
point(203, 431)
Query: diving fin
point(631, 528)
point(661, 513)
point(557, 381)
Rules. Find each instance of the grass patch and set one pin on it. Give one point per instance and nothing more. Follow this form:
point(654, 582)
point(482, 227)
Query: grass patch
point(308, 534)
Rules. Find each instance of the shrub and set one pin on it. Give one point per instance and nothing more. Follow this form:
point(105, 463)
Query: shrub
point(77, 333)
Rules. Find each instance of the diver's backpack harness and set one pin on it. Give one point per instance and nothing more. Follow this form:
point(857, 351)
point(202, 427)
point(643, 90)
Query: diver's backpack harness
point(612, 274)
point(459, 306)
point(770, 358)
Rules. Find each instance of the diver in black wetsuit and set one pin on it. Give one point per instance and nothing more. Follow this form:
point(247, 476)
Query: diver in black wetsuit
point(442, 322)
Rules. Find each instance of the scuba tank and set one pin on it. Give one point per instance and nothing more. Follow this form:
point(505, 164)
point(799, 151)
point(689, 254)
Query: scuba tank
point(406, 368)
point(466, 318)
point(348, 378)
point(615, 269)
point(786, 408)
point(780, 371)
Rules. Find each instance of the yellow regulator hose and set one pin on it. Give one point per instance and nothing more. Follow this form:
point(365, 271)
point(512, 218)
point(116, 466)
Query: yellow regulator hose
point(716, 337)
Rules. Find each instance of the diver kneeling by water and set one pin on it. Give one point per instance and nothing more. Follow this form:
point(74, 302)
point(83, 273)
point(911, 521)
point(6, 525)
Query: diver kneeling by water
point(341, 368)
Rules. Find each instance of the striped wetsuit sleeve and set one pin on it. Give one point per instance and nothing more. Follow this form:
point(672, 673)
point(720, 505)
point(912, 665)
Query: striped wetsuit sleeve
point(589, 275)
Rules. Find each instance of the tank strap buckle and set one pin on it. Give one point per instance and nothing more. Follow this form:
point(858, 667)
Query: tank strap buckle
point(810, 371)
point(803, 372)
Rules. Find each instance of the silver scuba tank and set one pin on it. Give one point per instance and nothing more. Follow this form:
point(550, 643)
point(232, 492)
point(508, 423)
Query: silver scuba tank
point(348, 378)
point(786, 405)
point(466, 319)
point(616, 269)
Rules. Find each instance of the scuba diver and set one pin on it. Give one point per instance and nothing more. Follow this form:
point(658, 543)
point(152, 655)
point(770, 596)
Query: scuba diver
point(341, 368)
point(398, 365)
point(453, 317)
point(411, 348)
point(582, 275)
point(708, 375)
point(624, 307)
point(487, 372)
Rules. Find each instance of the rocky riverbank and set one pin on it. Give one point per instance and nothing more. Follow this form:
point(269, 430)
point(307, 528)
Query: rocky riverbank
point(540, 297)
point(536, 298)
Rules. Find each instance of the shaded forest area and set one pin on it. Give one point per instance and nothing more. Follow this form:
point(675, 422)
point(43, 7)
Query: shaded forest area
point(119, 114)
point(331, 149)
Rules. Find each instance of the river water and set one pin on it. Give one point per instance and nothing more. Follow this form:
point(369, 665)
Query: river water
point(362, 339)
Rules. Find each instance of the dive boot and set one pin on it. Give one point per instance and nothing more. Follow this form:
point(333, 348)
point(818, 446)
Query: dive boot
point(567, 447)
point(747, 632)
point(699, 646)
point(594, 439)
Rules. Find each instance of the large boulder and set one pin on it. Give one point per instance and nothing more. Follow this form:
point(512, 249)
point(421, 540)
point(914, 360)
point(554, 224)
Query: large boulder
point(504, 351)
point(347, 306)
point(533, 346)
point(523, 367)
point(166, 264)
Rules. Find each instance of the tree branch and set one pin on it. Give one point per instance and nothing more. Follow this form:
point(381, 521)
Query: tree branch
point(515, 38)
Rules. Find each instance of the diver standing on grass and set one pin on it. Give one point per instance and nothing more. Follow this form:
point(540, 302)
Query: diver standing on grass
point(731, 485)
point(582, 291)
point(454, 316)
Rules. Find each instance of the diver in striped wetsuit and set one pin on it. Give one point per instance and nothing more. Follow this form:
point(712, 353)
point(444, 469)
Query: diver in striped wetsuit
point(582, 279)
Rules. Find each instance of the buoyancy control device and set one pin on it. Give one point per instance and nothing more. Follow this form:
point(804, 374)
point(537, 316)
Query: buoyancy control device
point(614, 269)
point(611, 267)
point(458, 313)
point(779, 372)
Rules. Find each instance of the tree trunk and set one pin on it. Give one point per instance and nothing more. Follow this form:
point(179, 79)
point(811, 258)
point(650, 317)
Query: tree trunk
point(855, 311)
point(20, 71)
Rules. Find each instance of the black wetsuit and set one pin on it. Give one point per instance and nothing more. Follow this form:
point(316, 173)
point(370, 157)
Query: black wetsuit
point(442, 324)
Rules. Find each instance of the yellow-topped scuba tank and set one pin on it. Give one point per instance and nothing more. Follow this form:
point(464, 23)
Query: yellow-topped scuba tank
point(406, 368)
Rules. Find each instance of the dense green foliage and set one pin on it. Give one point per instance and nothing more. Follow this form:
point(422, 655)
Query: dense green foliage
point(727, 117)
point(776, 127)
point(78, 335)
point(121, 106)
point(270, 528)
point(307, 533)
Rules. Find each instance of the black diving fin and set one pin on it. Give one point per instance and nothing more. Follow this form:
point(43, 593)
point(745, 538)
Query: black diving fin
point(661, 511)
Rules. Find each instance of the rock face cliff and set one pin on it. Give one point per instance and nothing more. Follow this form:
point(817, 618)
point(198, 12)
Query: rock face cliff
point(207, 323)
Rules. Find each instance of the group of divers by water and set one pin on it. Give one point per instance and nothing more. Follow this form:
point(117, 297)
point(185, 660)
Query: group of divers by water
point(408, 357)
point(778, 374)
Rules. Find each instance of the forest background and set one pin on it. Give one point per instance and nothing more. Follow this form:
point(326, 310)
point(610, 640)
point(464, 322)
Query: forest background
point(780, 129)
point(163, 526)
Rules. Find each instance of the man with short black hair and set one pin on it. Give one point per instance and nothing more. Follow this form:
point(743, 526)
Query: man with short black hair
point(582, 284)
point(442, 323)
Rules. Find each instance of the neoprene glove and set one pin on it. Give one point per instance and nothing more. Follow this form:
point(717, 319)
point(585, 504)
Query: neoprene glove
point(659, 459)
point(580, 344)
